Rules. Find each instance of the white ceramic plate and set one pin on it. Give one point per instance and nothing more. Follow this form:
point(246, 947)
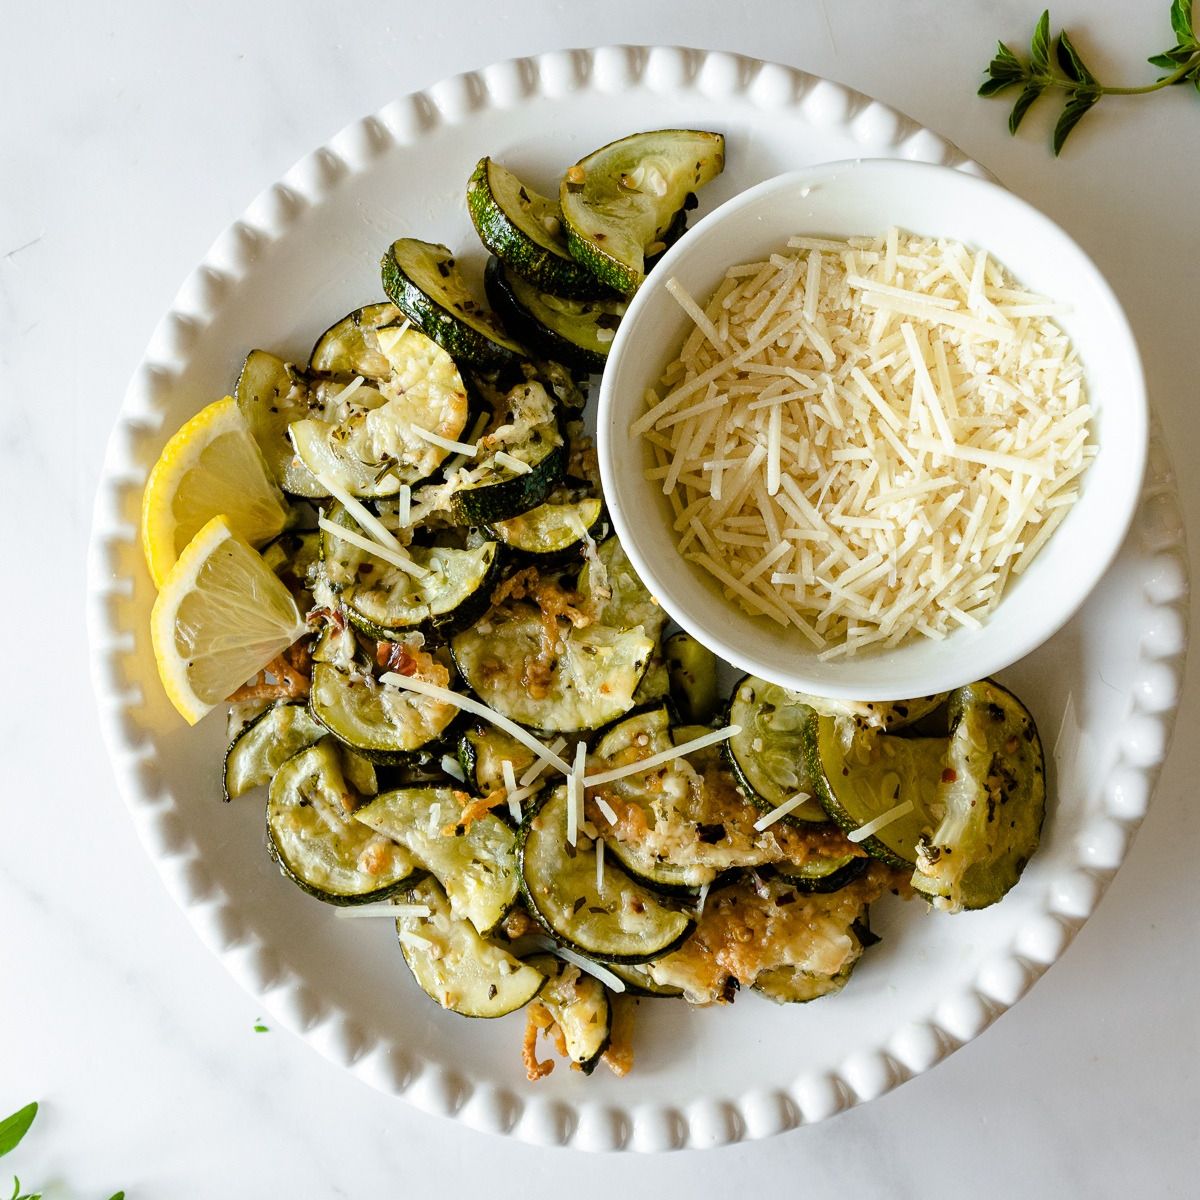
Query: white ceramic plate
point(304, 254)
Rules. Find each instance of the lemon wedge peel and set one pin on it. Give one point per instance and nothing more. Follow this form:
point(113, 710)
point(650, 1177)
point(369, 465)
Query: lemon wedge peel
point(211, 465)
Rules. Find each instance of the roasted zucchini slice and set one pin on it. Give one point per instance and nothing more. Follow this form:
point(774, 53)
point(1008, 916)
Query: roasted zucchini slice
point(618, 595)
point(617, 922)
point(861, 774)
point(375, 441)
point(684, 824)
point(766, 930)
point(580, 1006)
point(576, 333)
point(692, 674)
point(476, 865)
point(551, 532)
point(590, 681)
point(789, 985)
point(454, 966)
point(620, 200)
point(380, 722)
point(482, 749)
point(350, 347)
point(524, 231)
point(823, 872)
point(423, 280)
point(313, 836)
point(526, 430)
point(271, 395)
point(638, 982)
point(260, 748)
point(767, 756)
point(384, 601)
point(991, 801)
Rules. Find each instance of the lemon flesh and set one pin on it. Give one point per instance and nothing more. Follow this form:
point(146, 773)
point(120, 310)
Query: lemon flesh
point(211, 466)
point(221, 616)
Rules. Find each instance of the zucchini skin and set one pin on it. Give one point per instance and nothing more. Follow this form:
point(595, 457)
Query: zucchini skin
point(529, 891)
point(821, 884)
point(532, 332)
point(461, 341)
point(524, 553)
point(810, 815)
point(510, 497)
point(342, 351)
point(581, 199)
point(276, 805)
point(554, 271)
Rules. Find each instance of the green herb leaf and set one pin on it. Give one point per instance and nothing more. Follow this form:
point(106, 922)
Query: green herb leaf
point(1168, 60)
point(14, 1128)
point(1039, 51)
point(16, 1188)
point(993, 86)
point(117, 1196)
point(1181, 21)
point(1006, 57)
point(1070, 62)
point(1076, 108)
point(1028, 95)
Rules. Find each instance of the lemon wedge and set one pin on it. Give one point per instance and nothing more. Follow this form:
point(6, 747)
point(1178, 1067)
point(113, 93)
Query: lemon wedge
point(212, 465)
point(221, 616)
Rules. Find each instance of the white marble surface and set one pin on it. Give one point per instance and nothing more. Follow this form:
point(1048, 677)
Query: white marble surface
point(130, 136)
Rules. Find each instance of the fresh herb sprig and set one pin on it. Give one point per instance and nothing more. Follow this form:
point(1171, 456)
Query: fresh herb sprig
point(1065, 70)
point(12, 1129)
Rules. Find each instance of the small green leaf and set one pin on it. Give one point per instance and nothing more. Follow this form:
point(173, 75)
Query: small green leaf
point(1077, 106)
point(16, 1188)
point(992, 87)
point(14, 1128)
point(1069, 60)
point(117, 1196)
point(1028, 95)
point(1181, 21)
point(1039, 51)
point(1168, 60)
point(1005, 55)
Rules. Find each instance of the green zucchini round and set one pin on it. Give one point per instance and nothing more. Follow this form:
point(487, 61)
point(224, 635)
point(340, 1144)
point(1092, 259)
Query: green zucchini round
point(524, 231)
point(622, 198)
point(422, 279)
point(457, 968)
point(315, 840)
point(577, 333)
point(624, 923)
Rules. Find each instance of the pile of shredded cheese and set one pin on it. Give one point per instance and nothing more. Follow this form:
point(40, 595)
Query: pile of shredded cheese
point(867, 439)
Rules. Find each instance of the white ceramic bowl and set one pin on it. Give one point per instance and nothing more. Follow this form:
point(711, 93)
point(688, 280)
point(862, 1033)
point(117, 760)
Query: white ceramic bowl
point(865, 198)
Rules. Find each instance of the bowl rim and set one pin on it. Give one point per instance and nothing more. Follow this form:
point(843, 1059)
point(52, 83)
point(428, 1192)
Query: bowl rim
point(986, 658)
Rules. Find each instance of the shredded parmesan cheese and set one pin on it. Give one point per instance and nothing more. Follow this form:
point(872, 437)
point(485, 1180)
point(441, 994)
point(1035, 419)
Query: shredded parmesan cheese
point(467, 704)
point(397, 558)
point(780, 811)
point(510, 788)
point(436, 439)
point(504, 459)
point(663, 756)
point(874, 826)
point(384, 910)
point(866, 440)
